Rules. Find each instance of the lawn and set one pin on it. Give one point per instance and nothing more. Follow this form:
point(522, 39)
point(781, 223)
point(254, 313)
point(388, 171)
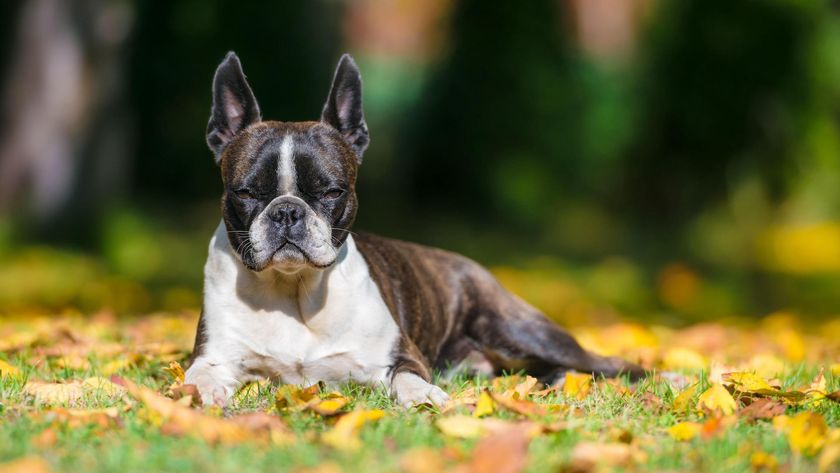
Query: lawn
point(98, 393)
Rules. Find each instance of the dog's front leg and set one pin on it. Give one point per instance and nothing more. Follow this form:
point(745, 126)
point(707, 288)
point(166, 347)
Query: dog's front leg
point(216, 382)
point(411, 380)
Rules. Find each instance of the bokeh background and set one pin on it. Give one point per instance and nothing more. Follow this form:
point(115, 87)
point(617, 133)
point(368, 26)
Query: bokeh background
point(670, 161)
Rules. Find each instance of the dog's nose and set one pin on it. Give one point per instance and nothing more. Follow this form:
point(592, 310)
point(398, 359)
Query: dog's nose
point(286, 213)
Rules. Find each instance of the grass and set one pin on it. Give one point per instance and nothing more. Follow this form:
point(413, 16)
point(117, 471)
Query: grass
point(403, 440)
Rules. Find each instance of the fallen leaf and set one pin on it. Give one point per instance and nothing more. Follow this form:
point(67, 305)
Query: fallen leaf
point(54, 393)
point(521, 390)
point(806, 433)
point(187, 391)
point(290, 395)
point(8, 370)
point(461, 426)
point(25, 465)
point(717, 399)
point(684, 400)
point(504, 451)
point(179, 419)
point(328, 407)
point(344, 434)
point(520, 406)
point(714, 426)
point(685, 431)
point(74, 418)
point(577, 385)
point(761, 461)
point(100, 385)
point(176, 371)
point(761, 409)
point(485, 405)
point(587, 455)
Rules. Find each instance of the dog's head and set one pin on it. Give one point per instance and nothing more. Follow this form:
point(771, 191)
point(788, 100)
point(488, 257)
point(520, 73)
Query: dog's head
point(289, 187)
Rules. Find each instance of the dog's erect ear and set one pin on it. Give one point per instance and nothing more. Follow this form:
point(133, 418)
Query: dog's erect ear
point(343, 110)
point(234, 105)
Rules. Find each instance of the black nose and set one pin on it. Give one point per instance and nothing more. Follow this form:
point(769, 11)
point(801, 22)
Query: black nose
point(286, 213)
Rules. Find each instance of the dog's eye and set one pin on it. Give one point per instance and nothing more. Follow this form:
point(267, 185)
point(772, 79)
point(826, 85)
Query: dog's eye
point(244, 194)
point(333, 194)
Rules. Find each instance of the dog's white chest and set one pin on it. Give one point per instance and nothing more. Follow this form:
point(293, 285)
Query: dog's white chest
point(338, 328)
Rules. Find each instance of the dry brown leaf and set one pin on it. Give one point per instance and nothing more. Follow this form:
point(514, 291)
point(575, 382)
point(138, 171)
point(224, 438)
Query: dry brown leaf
point(421, 460)
point(344, 434)
point(520, 406)
point(73, 418)
point(186, 391)
point(181, 420)
point(761, 409)
point(504, 451)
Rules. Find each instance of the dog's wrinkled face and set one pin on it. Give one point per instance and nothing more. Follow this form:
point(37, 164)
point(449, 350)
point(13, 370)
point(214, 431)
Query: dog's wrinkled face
point(289, 188)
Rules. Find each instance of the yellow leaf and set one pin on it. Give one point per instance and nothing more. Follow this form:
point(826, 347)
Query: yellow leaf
point(683, 358)
point(114, 366)
point(806, 433)
point(176, 371)
point(835, 369)
point(577, 385)
point(290, 395)
point(761, 461)
point(101, 385)
point(9, 370)
point(485, 405)
point(344, 434)
point(461, 426)
point(717, 398)
point(685, 430)
point(328, 407)
point(54, 393)
point(521, 390)
point(26, 465)
point(818, 388)
point(747, 382)
point(684, 400)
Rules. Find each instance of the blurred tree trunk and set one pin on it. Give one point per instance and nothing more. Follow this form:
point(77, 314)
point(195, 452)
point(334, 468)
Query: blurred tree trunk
point(64, 146)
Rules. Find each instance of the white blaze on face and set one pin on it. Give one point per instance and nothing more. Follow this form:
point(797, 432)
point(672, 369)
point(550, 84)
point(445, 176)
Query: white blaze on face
point(286, 166)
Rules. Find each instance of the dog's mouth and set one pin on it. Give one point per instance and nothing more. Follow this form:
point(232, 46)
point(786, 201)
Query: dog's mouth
point(290, 254)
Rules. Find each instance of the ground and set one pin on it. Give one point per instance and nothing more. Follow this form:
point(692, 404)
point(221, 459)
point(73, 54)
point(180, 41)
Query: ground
point(96, 393)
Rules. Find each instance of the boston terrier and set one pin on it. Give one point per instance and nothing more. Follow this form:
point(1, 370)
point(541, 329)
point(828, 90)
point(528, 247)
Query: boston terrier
point(292, 294)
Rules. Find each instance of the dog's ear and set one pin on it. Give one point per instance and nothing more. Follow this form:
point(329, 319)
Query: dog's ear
point(234, 105)
point(343, 110)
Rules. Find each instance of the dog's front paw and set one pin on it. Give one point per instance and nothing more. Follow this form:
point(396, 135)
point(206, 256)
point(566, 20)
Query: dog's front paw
point(408, 390)
point(211, 390)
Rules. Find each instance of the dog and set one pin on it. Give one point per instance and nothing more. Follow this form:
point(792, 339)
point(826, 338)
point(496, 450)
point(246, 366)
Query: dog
point(292, 294)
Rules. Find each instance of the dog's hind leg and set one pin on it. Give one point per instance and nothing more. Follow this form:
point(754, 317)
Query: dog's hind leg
point(518, 336)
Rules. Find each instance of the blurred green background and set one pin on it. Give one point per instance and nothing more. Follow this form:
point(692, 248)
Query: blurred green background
point(660, 160)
